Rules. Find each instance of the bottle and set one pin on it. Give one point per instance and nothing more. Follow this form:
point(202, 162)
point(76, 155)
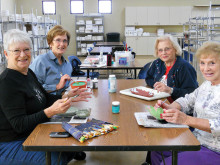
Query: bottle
point(95, 83)
point(112, 83)
point(88, 83)
point(101, 58)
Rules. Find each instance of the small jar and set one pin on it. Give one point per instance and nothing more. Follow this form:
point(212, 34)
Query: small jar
point(95, 83)
point(115, 107)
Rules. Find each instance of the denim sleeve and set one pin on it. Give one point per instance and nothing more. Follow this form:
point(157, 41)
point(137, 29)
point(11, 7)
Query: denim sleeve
point(40, 69)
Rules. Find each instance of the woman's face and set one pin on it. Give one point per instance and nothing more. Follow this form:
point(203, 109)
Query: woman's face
point(210, 68)
point(59, 45)
point(19, 56)
point(166, 52)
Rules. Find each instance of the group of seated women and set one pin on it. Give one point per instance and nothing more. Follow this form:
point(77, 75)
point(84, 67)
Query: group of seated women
point(32, 94)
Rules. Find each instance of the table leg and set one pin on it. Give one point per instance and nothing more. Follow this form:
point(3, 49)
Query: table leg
point(87, 73)
point(135, 73)
point(174, 157)
point(48, 158)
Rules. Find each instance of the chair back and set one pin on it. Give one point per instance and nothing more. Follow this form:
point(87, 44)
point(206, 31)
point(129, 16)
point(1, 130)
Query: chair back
point(75, 62)
point(143, 72)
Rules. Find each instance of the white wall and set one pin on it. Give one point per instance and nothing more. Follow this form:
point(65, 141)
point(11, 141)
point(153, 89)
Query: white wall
point(113, 22)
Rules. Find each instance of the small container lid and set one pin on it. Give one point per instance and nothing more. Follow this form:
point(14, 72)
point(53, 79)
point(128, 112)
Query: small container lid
point(115, 103)
point(111, 75)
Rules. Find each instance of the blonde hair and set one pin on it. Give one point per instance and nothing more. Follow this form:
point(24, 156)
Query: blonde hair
point(208, 48)
point(174, 43)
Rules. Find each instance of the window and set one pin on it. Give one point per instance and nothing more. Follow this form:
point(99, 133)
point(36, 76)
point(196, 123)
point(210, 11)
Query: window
point(105, 6)
point(49, 7)
point(76, 7)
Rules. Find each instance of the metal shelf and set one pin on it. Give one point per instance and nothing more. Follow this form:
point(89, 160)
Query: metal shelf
point(89, 37)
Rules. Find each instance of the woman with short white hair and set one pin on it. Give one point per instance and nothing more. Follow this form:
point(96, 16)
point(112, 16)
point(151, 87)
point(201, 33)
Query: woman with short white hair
point(24, 103)
point(170, 73)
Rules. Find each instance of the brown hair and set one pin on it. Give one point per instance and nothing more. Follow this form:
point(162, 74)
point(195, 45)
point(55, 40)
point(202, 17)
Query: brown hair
point(208, 48)
point(55, 31)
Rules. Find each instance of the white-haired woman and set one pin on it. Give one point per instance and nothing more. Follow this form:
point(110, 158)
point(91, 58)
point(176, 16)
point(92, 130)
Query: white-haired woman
point(24, 103)
point(170, 73)
point(204, 102)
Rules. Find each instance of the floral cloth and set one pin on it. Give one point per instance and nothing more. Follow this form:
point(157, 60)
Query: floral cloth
point(204, 103)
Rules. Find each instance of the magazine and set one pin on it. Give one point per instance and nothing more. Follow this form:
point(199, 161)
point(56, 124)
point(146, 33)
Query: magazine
point(145, 119)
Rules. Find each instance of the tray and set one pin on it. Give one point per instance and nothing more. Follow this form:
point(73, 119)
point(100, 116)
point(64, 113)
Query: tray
point(157, 95)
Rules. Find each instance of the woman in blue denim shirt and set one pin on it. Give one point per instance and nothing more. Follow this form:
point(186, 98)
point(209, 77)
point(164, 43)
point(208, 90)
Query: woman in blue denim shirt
point(51, 69)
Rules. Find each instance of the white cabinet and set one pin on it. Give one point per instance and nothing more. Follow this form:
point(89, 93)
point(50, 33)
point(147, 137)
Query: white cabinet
point(158, 16)
point(130, 16)
point(175, 15)
point(150, 45)
point(131, 41)
point(142, 48)
point(186, 13)
point(180, 15)
point(142, 13)
point(152, 16)
point(163, 15)
point(136, 16)
point(199, 12)
point(141, 45)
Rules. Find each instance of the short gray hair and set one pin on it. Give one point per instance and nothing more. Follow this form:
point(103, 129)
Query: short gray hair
point(16, 36)
point(170, 38)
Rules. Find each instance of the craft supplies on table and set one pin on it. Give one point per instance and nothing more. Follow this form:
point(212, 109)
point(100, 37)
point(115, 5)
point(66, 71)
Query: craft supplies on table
point(90, 129)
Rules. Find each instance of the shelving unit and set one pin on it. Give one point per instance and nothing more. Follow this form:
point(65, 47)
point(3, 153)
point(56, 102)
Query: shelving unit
point(89, 29)
point(36, 26)
point(199, 30)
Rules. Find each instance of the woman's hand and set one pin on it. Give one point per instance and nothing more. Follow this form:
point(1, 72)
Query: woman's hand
point(161, 104)
point(59, 106)
point(174, 116)
point(63, 81)
point(161, 87)
point(78, 94)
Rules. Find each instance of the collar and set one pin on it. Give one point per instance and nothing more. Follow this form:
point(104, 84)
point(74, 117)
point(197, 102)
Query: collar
point(54, 58)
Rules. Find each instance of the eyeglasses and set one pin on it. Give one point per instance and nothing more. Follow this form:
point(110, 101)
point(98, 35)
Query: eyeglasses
point(17, 52)
point(164, 50)
point(58, 41)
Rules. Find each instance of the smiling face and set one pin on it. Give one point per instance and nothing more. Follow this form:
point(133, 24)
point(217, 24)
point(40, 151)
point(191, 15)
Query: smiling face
point(19, 61)
point(210, 68)
point(166, 52)
point(59, 45)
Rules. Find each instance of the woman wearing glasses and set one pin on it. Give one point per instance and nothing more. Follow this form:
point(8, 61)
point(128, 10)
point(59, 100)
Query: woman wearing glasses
point(24, 103)
point(51, 69)
point(204, 102)
point(170, 73)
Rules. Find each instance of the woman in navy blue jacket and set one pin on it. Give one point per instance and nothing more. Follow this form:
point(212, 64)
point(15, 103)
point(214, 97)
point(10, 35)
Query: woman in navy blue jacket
point(170, 73)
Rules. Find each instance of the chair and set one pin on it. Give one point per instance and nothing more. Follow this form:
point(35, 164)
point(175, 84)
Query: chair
point(143, 72)
point(75, 62)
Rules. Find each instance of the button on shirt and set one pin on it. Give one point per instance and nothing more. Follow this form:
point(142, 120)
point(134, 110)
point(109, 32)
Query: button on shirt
point(49, 71)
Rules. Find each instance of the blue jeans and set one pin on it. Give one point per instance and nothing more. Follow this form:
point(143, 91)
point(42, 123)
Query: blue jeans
point(12, 153)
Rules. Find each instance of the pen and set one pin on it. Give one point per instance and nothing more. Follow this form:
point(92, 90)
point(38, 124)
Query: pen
point(162, 103)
